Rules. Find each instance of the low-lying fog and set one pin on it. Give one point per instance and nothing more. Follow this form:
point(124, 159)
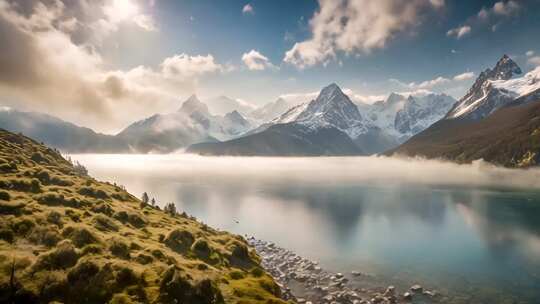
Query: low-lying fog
point(379, 170)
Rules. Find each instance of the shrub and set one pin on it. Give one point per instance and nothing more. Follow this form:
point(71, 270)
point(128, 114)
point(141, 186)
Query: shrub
point(102, 207)
point(62, 257)
point(144, 259)
point(136, 220)
point(91, 192)
point(6, 235)
point(35, 185)
point(11, 208)
point(54, 217)
point(201, 248)
point(5, 196)
point(119, 249)
point(176, 288)
point(92, 249)
point(80, 236)
point(104, 223)
point(237, 275)
point(22, 226)
point(179, 240)
point(122, 216)
point(45, 236)
point(44, 177)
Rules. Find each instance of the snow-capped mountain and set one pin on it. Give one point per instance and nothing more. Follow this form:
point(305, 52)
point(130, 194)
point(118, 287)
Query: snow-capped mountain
point(484, 97)
point(497, 120)
point(402, 116)
point(192, 123)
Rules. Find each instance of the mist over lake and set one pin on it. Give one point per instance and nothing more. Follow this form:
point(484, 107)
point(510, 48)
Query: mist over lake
point(469, 231)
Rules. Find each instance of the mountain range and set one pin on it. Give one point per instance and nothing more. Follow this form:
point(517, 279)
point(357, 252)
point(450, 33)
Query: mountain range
point(371, 128)
point(497, 120)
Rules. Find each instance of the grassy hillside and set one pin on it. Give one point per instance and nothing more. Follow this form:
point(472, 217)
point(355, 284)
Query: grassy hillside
point(67, 237)
point(509, 137)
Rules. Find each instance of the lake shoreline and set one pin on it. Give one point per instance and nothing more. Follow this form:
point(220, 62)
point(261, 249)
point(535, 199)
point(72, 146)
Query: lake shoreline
point(304, 281)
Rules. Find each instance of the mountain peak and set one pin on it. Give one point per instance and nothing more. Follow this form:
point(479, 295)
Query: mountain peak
point(505, 68)
point(193, 104)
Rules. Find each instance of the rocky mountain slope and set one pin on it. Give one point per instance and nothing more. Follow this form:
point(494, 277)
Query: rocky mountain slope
point(484, 97)
point(66, 237)
point(500, 126)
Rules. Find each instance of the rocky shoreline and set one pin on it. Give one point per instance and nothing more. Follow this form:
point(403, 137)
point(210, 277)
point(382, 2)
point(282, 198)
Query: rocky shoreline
point(305, 282)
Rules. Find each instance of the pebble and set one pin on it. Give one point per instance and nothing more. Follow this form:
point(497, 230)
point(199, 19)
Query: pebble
point(318, 285)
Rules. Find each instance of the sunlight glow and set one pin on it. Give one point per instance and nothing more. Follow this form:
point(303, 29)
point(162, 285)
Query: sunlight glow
point(120, 10)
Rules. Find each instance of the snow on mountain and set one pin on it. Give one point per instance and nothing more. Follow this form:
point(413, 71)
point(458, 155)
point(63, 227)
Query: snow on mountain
point(520, 87)
point(333, 108)
point(484, 98)
point(222, 105)
point(402, 116)
point(271, 110)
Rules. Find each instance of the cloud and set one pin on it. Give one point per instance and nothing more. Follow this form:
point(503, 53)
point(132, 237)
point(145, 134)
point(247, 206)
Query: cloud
point(491, 16)
point(534, 60)
point(529, 53)
point(47, 64)
point(297, 98)
point(506, 8)
point(436, 82)
point(464, 76)
point(459, 32)
point(356, 27)
point(256, 61)
point(248, 9)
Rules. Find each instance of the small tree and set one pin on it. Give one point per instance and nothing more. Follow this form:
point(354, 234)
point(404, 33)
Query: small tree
point(145, 198)
point(170, 208)
point(153, 202)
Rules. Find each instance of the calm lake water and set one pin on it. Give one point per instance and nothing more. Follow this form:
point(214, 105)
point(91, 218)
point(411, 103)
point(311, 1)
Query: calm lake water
point(471, 232)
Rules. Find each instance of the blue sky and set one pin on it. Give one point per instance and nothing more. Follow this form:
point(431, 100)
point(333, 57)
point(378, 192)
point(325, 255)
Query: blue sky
point(421, 53)
point(149, 55)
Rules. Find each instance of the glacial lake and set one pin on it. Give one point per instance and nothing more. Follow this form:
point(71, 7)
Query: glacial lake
point(471, 232)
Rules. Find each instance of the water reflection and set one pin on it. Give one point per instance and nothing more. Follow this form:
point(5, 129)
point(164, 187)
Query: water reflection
point(479, 240)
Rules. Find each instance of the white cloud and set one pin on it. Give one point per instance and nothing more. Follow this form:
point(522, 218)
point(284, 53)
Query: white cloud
point(459, 32)
point(145, 22)
point(256, 61)
point(491, 17)
point(436, 82)
point(356, 26)
point(464, 76)
point(506, 8)
point(529, 53)
point(534, 60)
point(43, 69)
point(184, 66)
point(248, 9)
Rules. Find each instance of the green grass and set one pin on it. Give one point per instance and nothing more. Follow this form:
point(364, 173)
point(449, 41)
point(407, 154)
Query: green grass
point(69, 238)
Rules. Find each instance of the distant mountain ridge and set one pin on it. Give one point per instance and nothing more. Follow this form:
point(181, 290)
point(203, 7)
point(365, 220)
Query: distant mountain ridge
point(159, 133)
point(60, 134)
